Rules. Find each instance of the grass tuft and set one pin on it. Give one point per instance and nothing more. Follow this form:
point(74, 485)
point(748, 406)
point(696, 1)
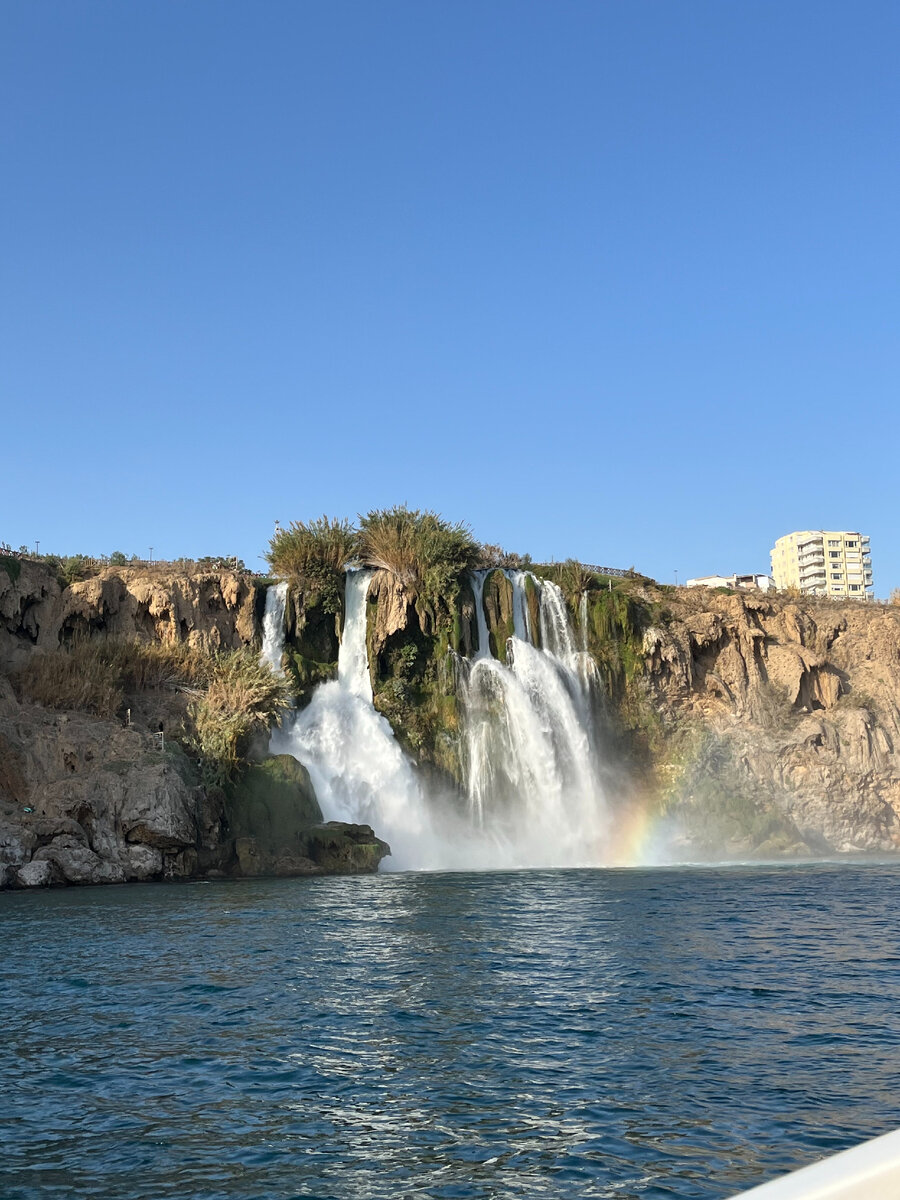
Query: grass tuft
point(244, 697)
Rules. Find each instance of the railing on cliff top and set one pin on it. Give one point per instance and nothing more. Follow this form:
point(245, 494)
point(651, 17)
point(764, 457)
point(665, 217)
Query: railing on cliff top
point(616, 572)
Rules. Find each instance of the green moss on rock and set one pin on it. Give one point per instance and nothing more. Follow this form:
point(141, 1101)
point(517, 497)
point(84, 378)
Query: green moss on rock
point(498, 611)
point(273, 802)
point(337, 848)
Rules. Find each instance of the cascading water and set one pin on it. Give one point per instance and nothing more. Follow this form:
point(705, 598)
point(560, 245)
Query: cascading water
point(358, 770)
point(531, 768)
point(531, 765)
point(521, 615)
point(484, 642)
point(273, 626)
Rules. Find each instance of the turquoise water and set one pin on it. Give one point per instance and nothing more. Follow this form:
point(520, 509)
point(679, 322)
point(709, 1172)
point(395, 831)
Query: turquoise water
point(670, 1033)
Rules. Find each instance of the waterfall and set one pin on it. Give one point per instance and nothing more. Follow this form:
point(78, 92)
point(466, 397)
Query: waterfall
point(484, 643)
point(532, 775)
point(353, 657)
point(359, 772)
point(531, 766)
point(521, 615)
point(273, 626)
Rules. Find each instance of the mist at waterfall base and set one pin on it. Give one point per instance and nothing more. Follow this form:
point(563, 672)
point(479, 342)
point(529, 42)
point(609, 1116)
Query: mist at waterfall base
point(536, 789)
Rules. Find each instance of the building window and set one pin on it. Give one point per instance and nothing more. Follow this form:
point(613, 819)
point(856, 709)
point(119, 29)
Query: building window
point(835, 575)
point(834, 554)
point(854, 587)
point(833, 542)
point(850, 545)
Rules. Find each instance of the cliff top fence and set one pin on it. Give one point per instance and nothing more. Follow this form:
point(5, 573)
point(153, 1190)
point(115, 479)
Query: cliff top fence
point(615, 572)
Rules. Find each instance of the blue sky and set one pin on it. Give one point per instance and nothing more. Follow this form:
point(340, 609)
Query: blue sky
point(615, 280)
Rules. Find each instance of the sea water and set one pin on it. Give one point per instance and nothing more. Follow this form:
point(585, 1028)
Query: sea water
point(669, 1033)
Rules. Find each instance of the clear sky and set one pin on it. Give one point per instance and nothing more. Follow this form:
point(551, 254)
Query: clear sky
point(612, 279)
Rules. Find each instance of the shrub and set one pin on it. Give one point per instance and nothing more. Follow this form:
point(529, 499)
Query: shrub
point(495, 556)
point(244, 697)
point(314, 554)
point(424, 551)
point(75, 568)
point(306, 546)
point(574, 578)
point(76, 678)
point(238, 695)
point(12, 567)
point(117, 559)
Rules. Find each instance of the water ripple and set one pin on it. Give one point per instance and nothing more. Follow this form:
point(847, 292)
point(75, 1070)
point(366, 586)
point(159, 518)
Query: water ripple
point(677, 1033)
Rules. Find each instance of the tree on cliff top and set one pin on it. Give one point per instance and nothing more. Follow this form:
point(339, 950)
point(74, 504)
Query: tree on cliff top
point(427, 553)
point(314, 555)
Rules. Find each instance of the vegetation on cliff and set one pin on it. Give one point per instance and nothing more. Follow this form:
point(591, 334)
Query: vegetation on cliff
point(243, 698)
point(426, 553)
point(232, 695)
point(313, 555)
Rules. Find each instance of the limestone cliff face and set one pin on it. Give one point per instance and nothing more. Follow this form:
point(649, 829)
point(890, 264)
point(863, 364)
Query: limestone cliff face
point(29, 596)
point(795, 705)
point(767, 725)
point(213, 610)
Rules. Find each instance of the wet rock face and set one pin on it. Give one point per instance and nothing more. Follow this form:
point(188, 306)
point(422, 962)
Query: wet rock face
point(277, 825)
point(341, 849)
point(803, 696)
point(498, 611)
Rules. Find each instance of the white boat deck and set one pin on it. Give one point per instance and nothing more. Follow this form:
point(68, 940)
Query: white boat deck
point(867, 1172)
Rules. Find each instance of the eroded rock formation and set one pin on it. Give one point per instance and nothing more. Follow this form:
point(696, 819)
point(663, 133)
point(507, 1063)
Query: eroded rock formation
point(801, 702)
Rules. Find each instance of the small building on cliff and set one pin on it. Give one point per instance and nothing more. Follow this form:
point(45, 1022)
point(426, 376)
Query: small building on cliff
point(743, 582)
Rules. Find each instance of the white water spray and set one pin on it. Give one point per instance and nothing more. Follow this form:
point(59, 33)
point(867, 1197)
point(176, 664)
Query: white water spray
point(531, 764)
point(521, 614)
point(532, 774)
point(273, 626)
point(484, 642)
point(359, 772)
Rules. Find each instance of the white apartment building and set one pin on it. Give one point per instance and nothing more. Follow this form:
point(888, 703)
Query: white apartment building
point(824, 562)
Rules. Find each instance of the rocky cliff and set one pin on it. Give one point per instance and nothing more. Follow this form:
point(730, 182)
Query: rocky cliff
point(759, 724)
point(209, 610)
point(85, 799)
point(778, 720)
